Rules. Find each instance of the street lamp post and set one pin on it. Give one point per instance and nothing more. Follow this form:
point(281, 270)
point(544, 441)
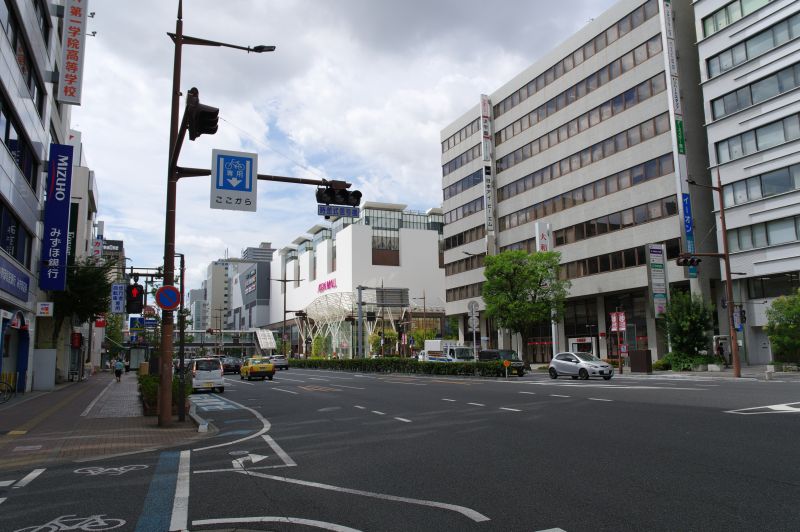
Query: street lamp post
point(179, 39)
point(725, 256)
point(283, 325)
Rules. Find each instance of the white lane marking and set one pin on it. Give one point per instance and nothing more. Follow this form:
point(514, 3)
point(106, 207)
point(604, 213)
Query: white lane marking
point(476, 404)
point(404, 382)
point(404, 420)
point(4, 483)
point(510, 409)
point(24, 448)
point(449, 400)
point(360, 407)
point(616, 386)
point(598, 399)
point(351, 387)
point(316, 379)
point(288, 379)
point(91, 405)
point(180, 504)
point(265, 427)
point(27, 479)
point(279, 451)
point(292, 520)
point(2, 500)
point(552, 530)
point(468, 512)
point(378, 412)
point(240, 381)
point(287, 391)
point(529, 393)
point(556, 395)
point(786, 408)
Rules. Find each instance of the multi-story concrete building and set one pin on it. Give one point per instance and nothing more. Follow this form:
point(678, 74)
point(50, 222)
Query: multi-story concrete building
point(218, 294)
point(30, 120)
point(250, 288)
point(115, 250)
point(198, 308)
point(387, 246)
point(749, 53)
point(586, 152)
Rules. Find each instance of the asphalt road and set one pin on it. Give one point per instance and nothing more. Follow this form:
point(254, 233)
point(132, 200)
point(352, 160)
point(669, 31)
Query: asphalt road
point(340, 451)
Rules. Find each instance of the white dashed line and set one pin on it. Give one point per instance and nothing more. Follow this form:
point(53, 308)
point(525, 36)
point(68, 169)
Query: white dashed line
point(529, 393)
point(449, 400)
point(351, 387)
point(360, 407)
point(510, 409)
point(404, 420)
point(556, 395)
point(287, 391)
point(476, 404)
point(27, 479)
point(378, 412)
point(598, 399)
point(2, 500)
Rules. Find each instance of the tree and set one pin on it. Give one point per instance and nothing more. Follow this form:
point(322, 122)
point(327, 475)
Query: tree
point(783, 328)
point(114, 336)
point(87, 294)
point(689, 321)
point(389, 342)
point(523, 289)
point(420, 335)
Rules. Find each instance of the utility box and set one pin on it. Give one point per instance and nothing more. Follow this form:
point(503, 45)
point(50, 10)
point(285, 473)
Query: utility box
point(640, 361)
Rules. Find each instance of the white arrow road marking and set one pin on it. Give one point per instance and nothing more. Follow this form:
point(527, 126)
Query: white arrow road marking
point(292, 520)
point(786, 408)
point(467, 512)
point(238, 463)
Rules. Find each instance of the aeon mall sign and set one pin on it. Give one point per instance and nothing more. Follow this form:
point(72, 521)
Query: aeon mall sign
point(326, 285)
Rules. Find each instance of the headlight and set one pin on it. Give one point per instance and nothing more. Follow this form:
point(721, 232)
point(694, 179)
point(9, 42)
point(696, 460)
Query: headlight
point(593, 366)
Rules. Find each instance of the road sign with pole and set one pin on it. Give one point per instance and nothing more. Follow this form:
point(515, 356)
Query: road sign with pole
point(234, 176)
point(168, 297)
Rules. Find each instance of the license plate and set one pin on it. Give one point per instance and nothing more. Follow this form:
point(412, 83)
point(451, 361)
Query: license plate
point(602, 372)
point(207, 384)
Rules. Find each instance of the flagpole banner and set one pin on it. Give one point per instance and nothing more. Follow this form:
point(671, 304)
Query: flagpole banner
point(53, 268)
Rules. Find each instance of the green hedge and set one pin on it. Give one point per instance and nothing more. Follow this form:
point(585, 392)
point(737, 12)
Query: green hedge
point(148, 387)
point(404, 365)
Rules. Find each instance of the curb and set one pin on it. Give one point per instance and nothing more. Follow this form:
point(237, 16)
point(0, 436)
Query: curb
point(202, 424)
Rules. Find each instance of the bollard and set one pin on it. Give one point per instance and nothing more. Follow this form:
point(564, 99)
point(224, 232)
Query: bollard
point(768, 375)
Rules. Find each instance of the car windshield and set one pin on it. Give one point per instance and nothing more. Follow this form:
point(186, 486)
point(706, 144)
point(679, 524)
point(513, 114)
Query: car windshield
point(207, 365)
point(464, 353)
point(586, 357)
point(508, 354)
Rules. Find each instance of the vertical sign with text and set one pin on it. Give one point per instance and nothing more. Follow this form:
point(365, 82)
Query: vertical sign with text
point(73, 51)
point(53, 268)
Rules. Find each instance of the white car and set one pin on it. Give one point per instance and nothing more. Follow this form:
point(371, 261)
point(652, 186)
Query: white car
point(579, 366)
point(207, 374)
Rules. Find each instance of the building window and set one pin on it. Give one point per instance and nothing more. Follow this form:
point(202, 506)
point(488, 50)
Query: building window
point(759, 139)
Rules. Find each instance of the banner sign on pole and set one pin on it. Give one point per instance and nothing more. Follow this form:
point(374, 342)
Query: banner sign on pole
point(72, 52)
point(53, 271)
point(118, 298)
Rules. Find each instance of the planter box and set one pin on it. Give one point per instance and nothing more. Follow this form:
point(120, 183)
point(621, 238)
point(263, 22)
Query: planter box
point(700, 367)
point(714, 367)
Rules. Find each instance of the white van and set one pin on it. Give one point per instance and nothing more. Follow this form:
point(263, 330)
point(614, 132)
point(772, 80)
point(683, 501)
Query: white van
point(207, 374)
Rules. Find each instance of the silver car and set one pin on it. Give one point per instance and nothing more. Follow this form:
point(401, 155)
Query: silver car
point(279, 361)
point(579, 365)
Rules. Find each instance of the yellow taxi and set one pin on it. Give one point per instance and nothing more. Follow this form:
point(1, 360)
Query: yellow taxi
point(255, 368)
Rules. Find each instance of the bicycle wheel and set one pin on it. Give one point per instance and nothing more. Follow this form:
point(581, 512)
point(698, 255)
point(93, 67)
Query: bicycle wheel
point(6, 391)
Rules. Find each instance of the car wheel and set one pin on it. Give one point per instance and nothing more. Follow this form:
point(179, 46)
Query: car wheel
point(221, 389)
point(574, 377)
point(607, 377)
point(583, 374)
point(270, 377)
point(520, 373)
point(241, 377)
point(553, 373)
point(249, 378)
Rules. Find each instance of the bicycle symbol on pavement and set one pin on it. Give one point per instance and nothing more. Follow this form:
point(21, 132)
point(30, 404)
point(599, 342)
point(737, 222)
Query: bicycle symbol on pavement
point(110, 471)
point(73, 522)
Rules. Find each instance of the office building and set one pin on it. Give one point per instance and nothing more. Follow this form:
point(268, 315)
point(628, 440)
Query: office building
point(749, 56)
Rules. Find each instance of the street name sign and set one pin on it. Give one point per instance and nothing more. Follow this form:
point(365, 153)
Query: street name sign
point(234, 176)
point(338, 210)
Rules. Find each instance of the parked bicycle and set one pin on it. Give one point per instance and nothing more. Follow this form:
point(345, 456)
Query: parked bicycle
point(7, 391)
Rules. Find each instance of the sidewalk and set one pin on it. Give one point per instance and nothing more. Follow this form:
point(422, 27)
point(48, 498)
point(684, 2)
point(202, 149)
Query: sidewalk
point(83, 421)
point(758, 372)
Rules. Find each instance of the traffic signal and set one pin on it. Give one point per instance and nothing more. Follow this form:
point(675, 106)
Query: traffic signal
point(201, 119)
point(338, 196)
point(742, 315)
point(686, 259)
point(134, 299)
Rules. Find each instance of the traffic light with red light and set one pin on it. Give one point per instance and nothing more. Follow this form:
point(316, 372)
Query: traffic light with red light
point(134, 299)
point(687, 259)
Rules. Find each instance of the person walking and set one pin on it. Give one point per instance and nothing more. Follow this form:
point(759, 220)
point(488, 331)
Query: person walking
point(119, 367)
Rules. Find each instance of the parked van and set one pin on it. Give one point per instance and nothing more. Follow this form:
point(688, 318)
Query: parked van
point(207, 374)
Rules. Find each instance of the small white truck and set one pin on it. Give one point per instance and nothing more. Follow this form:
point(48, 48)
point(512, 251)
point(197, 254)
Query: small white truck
point(447, 351)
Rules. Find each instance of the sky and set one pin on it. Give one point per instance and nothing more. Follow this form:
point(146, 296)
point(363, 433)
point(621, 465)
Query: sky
point(357, 90)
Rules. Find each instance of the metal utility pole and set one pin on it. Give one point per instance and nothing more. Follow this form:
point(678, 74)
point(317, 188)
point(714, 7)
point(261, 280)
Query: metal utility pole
point(182, 342)
point(360, 326)
point(283, 325)
point(173, 174)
